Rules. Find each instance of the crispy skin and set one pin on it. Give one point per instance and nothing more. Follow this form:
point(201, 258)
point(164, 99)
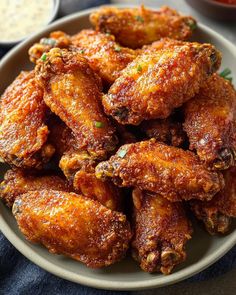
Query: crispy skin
point(18, 181)
point(161, 230)
point(167, 130)
point(162, 78)
point(217, 213)
point(23, 132)
point(79, 168)
point(56, 39)
point(106, 57)
point(73, 225)
point(135, 27)
point(72, 92)
point(210, 123)
point(172, 172)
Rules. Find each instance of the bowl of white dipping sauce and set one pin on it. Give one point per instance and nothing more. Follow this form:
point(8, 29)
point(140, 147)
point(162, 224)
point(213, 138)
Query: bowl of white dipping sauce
point(21, 18)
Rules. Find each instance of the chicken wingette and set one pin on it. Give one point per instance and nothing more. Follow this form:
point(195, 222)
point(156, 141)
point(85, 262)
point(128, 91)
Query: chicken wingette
point(161, 230)
point(210, 123)
point(159, 80)
point(17, 182)
point(172, 172)
point(105, 56)
point(23, 132)
point(135, 27)
point(72, 91)
point(218, 213)
point(73, 225)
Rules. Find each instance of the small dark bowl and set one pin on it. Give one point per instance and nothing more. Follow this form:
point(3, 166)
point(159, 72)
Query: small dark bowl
point(214, 9)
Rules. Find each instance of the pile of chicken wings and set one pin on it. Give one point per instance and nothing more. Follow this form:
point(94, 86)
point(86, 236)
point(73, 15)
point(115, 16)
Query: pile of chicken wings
point(117, 137)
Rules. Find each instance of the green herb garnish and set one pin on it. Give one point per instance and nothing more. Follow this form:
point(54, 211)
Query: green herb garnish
point(226, 74)
point(99, 124)
point(82, 51)
point(139, 69)
point(192, 24)
point(117, 48)
point(122, 153)
point(48, 41)
point(44, 57)
point(139, 18)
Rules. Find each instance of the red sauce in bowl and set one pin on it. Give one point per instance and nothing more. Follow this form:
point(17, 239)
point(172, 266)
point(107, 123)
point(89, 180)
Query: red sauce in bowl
point(231, 2)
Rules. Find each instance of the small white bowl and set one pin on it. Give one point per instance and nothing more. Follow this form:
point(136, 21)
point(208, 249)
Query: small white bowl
point(202, 250)
point(56, 5)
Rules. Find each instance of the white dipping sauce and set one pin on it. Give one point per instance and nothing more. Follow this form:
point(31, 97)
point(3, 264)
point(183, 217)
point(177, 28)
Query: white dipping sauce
point(19, 18)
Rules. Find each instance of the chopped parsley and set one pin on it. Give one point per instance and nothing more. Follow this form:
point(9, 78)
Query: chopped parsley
point(82, 51)
point(226, 74)
point(117, 48)
point(122, 153)
point(139, 18)
point(139, 69)
point(44, 57)
point(99, 124)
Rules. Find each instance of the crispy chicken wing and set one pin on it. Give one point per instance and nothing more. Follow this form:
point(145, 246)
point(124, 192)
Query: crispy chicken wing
point(70, 224)
point(106, 57)
point(72, 92)
point(18, 181)
point(167, 130)
point(23, 132)
point(217, 213)
point(159, 80)
point(172, 172)
point(161, 230)
point(210, 123)
point(56, 39)
point(135, 27)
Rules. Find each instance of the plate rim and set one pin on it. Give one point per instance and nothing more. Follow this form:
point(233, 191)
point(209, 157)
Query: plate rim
point(36, 258)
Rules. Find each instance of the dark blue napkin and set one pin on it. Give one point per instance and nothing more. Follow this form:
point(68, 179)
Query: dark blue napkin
point(19, 276)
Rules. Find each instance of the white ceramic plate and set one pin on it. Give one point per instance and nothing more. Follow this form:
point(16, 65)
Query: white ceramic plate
point(202, 250)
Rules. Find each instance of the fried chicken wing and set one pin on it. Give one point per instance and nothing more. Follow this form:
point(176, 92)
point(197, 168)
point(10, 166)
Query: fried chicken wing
point(72, 92)
point(17, 182)
point(160, 80)
point(56, 39)
point(135, 27)
point(210, 123)
point(217, 213)
point(161, 230)
point(167, 130)
point(172, 172)
point(106, 57)
point(70, 224)
point(23, 132)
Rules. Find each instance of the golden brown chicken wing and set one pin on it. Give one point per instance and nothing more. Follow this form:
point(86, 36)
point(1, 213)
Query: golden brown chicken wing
point(73, 225)
point(23, 132)
point(106, 57)
point(18, 181)
point(161, 230)
point(167, 130)
point(210, 123)
point(217, 213)
point(56, 39)
point(72, 92)
point(172, 172)
point(135, 27)
point(159, 80)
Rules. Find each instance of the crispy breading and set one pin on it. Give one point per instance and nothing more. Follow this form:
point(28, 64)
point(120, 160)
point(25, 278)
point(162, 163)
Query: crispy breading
point(23, 132)
point(135, 27)
point(18, 181)
point(210, 123)
point(105, 56)
point(217, 213)
point(159, 80)
point(73, 225)
point(161, 230)
point(172, 172)
point(55, 39)
point(167, 130)
point(72, 91)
